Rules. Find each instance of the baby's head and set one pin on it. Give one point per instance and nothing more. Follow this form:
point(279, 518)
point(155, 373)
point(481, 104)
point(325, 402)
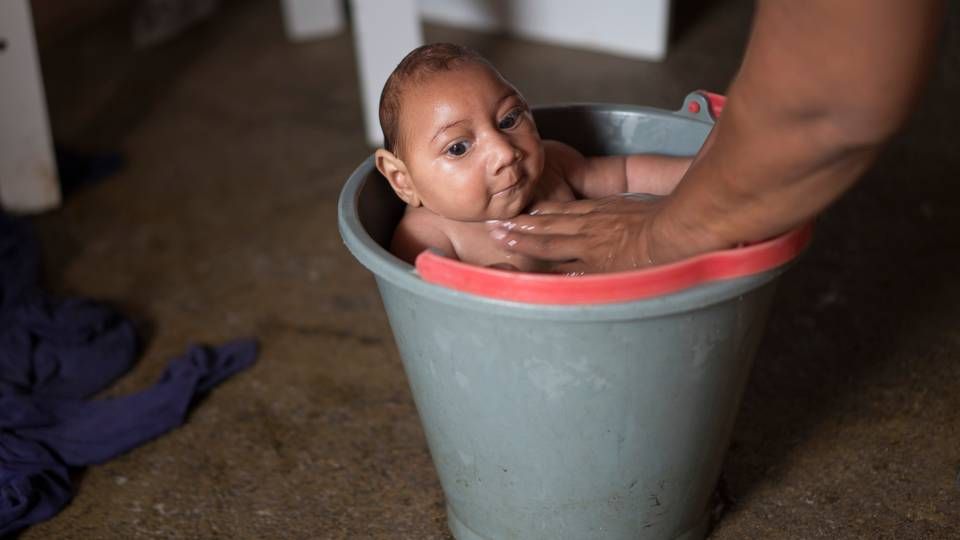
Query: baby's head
point(458, 138)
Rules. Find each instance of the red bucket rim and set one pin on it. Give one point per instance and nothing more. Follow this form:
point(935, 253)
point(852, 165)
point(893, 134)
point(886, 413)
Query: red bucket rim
point(614, 287)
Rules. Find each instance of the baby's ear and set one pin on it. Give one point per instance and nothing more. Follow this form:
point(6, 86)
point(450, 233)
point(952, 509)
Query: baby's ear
point(395, 171)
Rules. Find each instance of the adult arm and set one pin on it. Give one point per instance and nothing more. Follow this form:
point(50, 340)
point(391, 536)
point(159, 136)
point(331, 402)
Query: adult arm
point(822, 86)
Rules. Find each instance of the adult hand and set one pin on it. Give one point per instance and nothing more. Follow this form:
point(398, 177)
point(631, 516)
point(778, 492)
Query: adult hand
point(591, 235)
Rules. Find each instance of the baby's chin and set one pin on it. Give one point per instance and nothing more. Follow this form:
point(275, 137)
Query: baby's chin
point(512, 210)
point(521, 205)
point(482, 218)
point(501, 215)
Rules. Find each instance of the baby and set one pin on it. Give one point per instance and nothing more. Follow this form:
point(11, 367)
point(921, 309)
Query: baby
point(461, 148)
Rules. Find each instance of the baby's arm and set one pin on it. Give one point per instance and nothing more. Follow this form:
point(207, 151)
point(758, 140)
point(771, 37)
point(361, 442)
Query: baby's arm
point(415, 233)
point(594, 177)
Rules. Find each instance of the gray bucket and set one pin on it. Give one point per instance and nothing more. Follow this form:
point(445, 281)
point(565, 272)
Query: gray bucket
point(571, 421)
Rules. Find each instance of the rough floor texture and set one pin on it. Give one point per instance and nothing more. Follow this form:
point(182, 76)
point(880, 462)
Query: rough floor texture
point(223, 224)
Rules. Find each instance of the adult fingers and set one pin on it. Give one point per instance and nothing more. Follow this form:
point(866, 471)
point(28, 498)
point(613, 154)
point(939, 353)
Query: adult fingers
point(504, 266)
point(569, 268)
point(546, 247)
point(539, 224)
point(581, 206)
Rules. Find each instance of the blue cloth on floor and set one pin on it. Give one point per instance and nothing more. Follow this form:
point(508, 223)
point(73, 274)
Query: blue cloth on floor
point(54, 354)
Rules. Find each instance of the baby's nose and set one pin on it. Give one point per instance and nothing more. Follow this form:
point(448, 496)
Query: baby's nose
point(505, 154)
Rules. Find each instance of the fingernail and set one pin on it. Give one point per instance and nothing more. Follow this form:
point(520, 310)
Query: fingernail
point(508, 225)
point(498, 234)
point(493, 222)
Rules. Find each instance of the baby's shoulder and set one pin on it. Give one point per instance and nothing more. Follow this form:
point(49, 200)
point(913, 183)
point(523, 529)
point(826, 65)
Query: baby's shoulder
point(420, 229)
point(419, 221)
point(421, 217)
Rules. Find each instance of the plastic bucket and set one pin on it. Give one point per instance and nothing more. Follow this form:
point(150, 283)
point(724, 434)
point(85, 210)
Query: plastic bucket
point(563, 415)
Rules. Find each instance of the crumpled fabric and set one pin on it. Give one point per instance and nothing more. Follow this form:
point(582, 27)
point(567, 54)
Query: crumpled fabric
point(55, 354)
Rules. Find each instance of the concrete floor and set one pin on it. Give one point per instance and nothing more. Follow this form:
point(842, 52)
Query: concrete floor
point(223, 224)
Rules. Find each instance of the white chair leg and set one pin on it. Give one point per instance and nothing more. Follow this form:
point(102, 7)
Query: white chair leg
point(633, 28)
point(28, 172)
point(383, 33)
point(308, 19)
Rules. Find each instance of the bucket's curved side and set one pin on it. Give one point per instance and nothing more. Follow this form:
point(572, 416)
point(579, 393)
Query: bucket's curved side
point(593, 421)
point(638, 411)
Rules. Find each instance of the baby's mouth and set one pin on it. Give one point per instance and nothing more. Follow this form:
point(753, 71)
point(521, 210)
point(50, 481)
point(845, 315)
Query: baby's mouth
point(511, 188)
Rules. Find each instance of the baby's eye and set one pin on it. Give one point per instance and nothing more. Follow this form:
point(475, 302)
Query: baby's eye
point(458, 148)
point(510, 119)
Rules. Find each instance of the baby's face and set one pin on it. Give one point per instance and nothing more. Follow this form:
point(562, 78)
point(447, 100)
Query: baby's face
point(470, 144)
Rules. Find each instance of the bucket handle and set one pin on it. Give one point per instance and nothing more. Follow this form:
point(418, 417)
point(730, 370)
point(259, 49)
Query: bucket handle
point(703, 105)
